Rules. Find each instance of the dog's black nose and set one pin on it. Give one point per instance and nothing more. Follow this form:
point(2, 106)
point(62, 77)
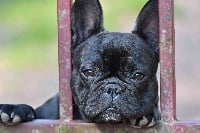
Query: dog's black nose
point(114, 89)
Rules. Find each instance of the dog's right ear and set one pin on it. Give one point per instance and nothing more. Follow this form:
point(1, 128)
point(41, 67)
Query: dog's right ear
point(86, 20)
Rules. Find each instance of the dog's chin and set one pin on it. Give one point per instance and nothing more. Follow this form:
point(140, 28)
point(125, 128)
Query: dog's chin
point(109, 115)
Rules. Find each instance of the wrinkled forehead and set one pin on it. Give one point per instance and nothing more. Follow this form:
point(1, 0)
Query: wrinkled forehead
point(113, 41)
point(113, 44)
point(117, 40)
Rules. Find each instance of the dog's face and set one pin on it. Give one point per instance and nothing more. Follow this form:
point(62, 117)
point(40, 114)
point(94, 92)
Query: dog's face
point(114, 74)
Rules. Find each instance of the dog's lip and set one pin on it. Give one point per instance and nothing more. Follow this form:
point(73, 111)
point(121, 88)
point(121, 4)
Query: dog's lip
point(110, 114)
point(111, 108)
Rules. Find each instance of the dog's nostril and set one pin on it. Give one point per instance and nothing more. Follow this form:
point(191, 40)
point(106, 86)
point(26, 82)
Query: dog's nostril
point(109, 91)
point(118, 90)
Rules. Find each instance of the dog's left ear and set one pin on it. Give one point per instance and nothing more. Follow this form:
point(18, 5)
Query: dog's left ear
point(86, 20)
point(147, 25)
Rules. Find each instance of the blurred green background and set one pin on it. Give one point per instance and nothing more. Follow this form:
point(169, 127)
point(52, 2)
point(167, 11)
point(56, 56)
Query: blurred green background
point(28, 49)
point(28, 33)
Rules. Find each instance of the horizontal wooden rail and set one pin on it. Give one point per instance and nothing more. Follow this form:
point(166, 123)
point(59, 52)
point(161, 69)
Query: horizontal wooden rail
point(60, 126)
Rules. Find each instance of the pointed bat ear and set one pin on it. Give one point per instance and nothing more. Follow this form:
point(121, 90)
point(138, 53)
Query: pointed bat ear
point(147, 25)
point(86, 20)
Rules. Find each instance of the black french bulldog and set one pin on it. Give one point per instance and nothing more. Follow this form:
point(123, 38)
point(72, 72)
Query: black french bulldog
point(114, 74)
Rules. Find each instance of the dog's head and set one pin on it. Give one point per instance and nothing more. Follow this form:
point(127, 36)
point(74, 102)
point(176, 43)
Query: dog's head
point(114, 74)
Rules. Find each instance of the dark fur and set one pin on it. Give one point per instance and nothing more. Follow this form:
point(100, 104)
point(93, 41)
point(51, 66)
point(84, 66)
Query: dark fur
point(114, 74)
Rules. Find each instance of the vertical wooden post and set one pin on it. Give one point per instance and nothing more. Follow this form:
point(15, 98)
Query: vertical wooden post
point(167, 60)
point(64, 42)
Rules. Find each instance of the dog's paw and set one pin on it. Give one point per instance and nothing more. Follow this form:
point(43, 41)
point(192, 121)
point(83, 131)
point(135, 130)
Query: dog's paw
point(13, 114)
point(143, 122)
point(146, 121)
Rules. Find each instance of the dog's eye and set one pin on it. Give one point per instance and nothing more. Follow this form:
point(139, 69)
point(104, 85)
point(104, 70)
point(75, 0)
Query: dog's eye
point(88, 73)
point(138, 76)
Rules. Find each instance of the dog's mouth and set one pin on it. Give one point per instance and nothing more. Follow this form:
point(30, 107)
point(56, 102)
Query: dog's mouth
point(113, 115)
point(109, 115)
